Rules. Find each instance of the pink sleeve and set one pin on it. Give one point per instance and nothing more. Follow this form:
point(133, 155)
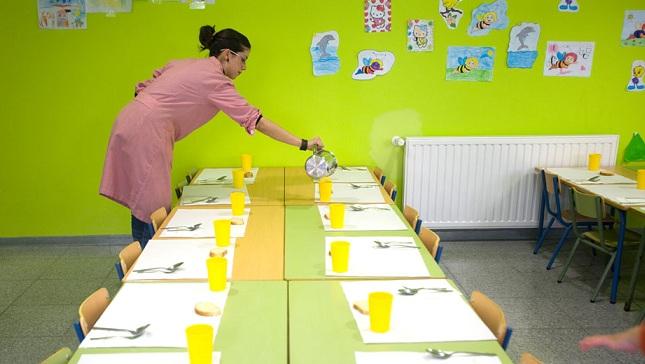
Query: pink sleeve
point(226, 98)
point(141, 85)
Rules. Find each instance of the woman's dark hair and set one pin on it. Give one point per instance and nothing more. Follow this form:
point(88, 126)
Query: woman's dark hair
point(224, 39)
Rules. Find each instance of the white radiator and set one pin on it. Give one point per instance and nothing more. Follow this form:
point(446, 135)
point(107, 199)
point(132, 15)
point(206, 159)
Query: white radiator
point(489, 182)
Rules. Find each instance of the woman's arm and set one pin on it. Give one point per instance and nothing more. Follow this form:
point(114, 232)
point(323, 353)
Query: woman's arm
point(276, 132)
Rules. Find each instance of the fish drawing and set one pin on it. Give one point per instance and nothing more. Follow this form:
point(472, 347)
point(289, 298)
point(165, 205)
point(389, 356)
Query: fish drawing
point(521, 36)
point(322, 45)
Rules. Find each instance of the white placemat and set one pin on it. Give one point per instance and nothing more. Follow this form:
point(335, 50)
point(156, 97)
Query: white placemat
point(205, 217)
point(581, 176)
point(354, 193)
point(366, 259)
point(210, 195)
point(168, 307)
point(407, 357)
point(424, 317)
point(192, 252)
point(141, 358)
point(371, 217)
point(221, 176)
point(353, 174)
point(622, 194)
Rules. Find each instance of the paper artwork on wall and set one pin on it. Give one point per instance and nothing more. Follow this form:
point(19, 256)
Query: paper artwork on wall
point(450, 13)
point(109, 6)
point(522, 47)
point(62, 14)
point(568, 59)
point(488, 16)
point(470, 63)
point(633, 34)
point(638, 73)
point(373, 63)
point(324, 53)
point(420, 35)
point(378, 16)
point(568, 6)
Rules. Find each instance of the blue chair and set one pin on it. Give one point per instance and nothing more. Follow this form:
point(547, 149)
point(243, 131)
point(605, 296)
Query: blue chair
point(89, 312)
point(412, 217)
point(431, 240)
point(379, 175)
point(493, 316)
point(127, 256)
point(390, 188)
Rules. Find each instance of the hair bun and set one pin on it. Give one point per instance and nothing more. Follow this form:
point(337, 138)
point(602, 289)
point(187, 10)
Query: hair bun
point(206, 35)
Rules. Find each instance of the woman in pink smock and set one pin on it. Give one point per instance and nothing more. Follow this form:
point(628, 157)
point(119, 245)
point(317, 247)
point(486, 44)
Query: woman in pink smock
point(181, 97)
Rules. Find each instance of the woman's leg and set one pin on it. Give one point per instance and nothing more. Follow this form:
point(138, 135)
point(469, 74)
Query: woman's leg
point(141, 231)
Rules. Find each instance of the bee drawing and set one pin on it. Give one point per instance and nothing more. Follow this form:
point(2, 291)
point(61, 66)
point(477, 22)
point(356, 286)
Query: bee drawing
point(466, 64)
point(370, 66)
point(486, 20)
point(563, 60)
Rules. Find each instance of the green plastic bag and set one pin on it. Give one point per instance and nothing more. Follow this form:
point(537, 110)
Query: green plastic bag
point(635, 150)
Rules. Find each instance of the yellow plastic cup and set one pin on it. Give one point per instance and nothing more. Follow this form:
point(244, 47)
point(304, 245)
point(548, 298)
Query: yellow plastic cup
point(247, 161)
point(200, 343)
point(640, 179)
point(216, 273)
point(339, 256)
point(594, 162)
point(222, 232)
point(237, 203)
point(337, 215)
point(238, 178)
point(324, 188)
point(380, 306)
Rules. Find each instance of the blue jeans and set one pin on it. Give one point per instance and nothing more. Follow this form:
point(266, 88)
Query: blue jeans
point(141, 231)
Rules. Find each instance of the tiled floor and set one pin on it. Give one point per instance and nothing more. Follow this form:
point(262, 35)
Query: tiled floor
point(41, 286)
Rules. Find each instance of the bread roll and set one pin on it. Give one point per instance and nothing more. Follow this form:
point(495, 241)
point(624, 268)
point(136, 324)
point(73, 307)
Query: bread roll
point(248, 174)
point(237, 221)
point(207, 309)
point(362, 307)
point(218, 252)
point(606, 173)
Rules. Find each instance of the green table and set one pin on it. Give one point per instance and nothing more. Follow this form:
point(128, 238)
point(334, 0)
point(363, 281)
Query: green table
point(305, 244)
point(322, 329)
point(255, 317)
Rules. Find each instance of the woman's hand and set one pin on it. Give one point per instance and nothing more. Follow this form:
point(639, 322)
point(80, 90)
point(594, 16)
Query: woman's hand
point(315, 141)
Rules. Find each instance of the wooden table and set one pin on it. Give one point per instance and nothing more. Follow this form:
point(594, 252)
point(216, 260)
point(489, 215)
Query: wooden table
point(259, 255)
point(322, 329)
point(253, 328)
point(268, 188)
point(299, 188)
point(305, 242)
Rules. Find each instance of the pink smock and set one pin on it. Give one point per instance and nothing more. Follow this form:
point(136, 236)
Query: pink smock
point(181, 97)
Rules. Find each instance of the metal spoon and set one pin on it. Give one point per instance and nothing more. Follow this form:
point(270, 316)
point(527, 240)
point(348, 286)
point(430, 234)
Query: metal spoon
point(122, 337)
point(170, 269)
point(133, 332)
point(387, 244)
point(183, 228)
point(363, 208)
point(355, 186)
point(440, 354)
point(210, 199)
point(594, 179)
point(406, 291)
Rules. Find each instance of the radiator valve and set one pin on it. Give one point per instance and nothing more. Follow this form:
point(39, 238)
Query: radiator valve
point(397, 141)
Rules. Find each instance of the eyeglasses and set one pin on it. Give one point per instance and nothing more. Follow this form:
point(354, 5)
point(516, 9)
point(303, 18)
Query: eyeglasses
point(241, 57)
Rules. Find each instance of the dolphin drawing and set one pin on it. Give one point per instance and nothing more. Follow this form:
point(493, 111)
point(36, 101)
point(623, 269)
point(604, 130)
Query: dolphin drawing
point(521, 36)
point(322, 45)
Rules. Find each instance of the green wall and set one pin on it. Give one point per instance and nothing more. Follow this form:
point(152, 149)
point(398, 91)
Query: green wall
point(62, 89)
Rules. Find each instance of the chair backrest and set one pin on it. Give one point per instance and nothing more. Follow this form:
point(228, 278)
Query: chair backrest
point(61, 356)
point(430, 240)
point(179, 189)
point(528, 358)
point(636, 221)
point(158, 217)
point(379, 175)
point(411, 215)
point(91, 309)
point(390, 188)
point(552, 190)
point(128, 255)
point(490, 312)
point(590, 206)
point(190, 175)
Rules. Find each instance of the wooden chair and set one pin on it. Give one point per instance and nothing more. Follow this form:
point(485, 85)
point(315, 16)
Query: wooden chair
point(190, 175)
point(430, 240)
point(528, 358)
point(127, 257)
point(379, 175)
point(179, 189)
point(390, 188)
point(89, 312)
point(412, 216)
point(61, 356)
point(493, 316)
point(158, 217)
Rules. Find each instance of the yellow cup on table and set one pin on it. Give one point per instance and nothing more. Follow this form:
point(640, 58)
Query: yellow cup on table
point(380, 307)
point(339, 256)
point(247, 162)
point(594, 161)
point(237, 203)
point(238, 178)
point(324, 189)
point(222, 232)
point(640, 179)
point(217, 267)
point(200, 343)
point(337, 215)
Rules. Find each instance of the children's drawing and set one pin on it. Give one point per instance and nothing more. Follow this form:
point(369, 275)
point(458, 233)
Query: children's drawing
point(568, 6)
point(634, 28)
point(420, 35)
point(470, 63)
point(569, 59)
point(450, 13)
point(638, 72)
point(378, 16)
point(62, 14)
point(109, 6)
point(487, 17)
point(373, 63)
point(324, 53)
point(522, 47)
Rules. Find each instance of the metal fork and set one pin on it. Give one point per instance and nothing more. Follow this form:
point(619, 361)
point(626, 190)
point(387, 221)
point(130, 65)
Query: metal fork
point(363, 208)
point(355, 186)
point(183, 228)
point(389, 244)
point(209, 199)
point(122, 337)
